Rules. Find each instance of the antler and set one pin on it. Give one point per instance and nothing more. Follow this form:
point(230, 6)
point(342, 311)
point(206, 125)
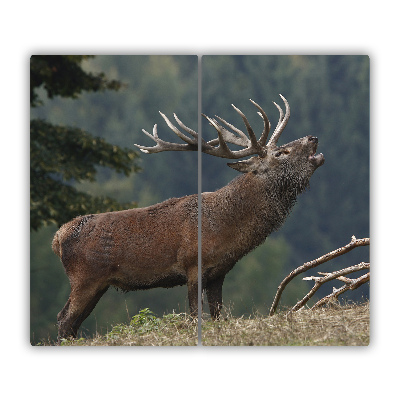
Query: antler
point(218, 147)
point(283, 120)
point(191, 144)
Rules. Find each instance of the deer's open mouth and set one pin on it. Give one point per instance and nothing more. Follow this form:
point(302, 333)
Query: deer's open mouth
point(316, 159)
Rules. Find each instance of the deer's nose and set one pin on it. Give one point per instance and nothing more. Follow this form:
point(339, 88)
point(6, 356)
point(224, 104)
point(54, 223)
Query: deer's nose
point(313, 139)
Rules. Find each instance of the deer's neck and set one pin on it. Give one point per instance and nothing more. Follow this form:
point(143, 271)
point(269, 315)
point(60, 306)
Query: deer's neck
point(238, 217)
point(251, 204)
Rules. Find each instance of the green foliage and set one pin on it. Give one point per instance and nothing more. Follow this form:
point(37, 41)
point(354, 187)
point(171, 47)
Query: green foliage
point(63, 76)
point(148, 330)
point(72, 342)
point(61, 156)
point(143, 322)
point(80, 152)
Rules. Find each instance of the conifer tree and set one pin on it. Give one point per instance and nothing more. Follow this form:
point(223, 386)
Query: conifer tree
point(60, 155)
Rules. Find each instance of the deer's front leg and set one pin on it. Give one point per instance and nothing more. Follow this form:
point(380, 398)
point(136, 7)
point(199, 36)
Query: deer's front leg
point(214, 296)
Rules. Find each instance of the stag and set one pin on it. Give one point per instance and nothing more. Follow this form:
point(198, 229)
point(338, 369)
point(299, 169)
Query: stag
point(157, 246)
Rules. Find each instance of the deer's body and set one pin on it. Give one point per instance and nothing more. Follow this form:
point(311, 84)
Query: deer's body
point(134, 249)
point(157, 246)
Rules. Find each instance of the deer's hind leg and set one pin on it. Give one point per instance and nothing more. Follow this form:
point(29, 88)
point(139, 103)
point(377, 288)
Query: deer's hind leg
point(61, 315)
point(81, 302)
point(193, 285)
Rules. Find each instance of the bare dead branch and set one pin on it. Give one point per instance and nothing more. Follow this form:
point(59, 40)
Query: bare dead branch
point(351, 284)
point(312, 264)
point(319, 281)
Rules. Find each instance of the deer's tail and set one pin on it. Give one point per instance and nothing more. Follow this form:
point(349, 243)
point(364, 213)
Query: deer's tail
point(55, 245)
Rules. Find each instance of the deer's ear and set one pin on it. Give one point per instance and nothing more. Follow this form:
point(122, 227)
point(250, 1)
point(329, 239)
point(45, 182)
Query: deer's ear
point(243, 166)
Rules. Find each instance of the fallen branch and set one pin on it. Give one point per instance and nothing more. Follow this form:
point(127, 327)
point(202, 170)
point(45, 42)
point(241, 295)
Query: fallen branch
point(319, 281)
point(312, 264)
point(351, 284)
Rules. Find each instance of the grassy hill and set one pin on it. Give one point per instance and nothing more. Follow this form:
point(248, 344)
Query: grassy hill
point(334, 326)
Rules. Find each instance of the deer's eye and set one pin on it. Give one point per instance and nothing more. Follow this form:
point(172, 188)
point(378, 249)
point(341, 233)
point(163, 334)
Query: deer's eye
point(280, 152)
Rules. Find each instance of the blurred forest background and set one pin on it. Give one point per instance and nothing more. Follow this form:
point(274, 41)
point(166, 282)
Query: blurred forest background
point(329, 98)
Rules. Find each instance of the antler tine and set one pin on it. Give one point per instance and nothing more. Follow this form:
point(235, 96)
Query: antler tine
point(242, 138)
point(281, 114)
point(281, 124)
point(162, 145)
point(153, 136)
point(222, 150)
point(230, 137)
point(267, 124)
point(224, 136)
point(191, 131)
point(178, 132)
point(250, 131)
point(184, 127)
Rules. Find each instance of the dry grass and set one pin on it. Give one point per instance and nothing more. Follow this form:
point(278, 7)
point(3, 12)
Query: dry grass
point(334, 326)
point(146, 329)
